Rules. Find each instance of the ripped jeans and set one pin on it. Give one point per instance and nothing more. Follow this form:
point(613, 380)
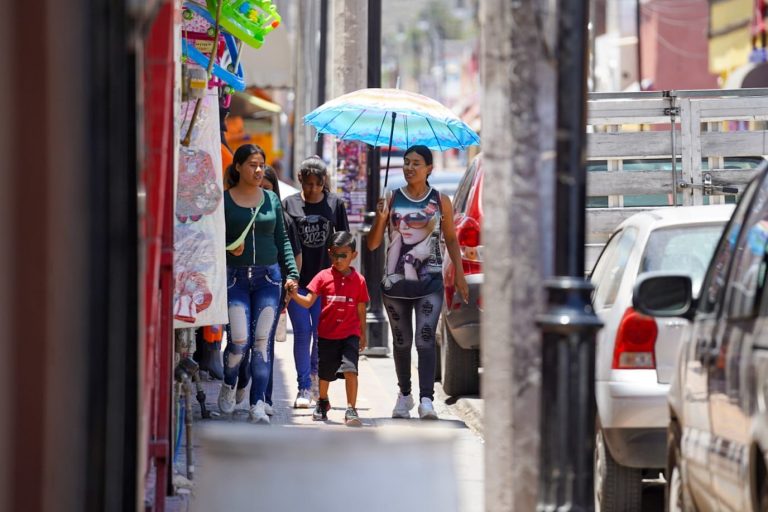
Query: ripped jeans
point(253, 298)
point(400, 312)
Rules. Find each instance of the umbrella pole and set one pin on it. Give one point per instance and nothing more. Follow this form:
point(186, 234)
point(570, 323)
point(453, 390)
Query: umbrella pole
point(389, 151)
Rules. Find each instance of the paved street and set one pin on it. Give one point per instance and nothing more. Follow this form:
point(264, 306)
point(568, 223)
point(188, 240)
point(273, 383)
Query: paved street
point(376, 397)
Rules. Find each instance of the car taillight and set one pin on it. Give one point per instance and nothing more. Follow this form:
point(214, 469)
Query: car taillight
point(468, 232)
point(471, 267)
point(635, 342)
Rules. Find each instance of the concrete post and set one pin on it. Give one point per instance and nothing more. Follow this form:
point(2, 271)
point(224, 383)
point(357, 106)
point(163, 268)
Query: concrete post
point(349, 54)
point(306, 76)
point(517, 143)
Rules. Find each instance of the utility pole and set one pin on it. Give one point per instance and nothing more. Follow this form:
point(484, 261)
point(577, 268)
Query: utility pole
point(518, 138)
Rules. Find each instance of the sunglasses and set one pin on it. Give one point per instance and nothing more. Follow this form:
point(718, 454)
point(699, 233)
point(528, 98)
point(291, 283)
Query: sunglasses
point(415, 220)
point(340, 255)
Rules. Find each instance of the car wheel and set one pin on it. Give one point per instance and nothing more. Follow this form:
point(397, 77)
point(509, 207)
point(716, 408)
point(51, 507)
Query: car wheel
point(617, 488)
point(675, 495)
point(460, 366)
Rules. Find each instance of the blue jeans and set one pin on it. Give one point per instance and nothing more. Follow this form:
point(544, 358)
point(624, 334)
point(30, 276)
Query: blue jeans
point(244, 377)
point(304, 323)
point(253, 300)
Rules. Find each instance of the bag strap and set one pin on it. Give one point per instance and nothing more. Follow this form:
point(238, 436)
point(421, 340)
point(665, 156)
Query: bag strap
point(244, 234)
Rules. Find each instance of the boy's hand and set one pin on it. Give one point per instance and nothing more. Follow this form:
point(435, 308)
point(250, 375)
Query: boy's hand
point(237, 251)
point(363, 343)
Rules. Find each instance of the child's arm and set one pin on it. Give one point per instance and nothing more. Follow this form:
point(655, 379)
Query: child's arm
point(305, 301)
point(363, 331)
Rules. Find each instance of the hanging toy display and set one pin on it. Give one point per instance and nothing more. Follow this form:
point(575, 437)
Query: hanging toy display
point(248, 20)
point(222, 77)
point(197, 46)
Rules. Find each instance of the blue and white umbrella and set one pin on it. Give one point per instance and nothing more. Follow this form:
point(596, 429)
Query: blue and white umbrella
point(392, 118)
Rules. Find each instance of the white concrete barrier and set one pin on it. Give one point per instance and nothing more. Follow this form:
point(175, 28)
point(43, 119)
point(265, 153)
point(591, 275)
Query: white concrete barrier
point(251, 468)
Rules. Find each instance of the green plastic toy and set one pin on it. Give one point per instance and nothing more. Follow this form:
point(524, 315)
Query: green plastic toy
point(247, 20)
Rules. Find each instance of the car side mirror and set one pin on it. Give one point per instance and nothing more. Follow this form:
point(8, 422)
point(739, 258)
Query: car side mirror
point(663, 294)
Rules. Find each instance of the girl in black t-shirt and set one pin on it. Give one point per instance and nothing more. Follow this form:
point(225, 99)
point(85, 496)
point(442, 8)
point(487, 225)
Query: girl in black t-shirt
point(313, 215)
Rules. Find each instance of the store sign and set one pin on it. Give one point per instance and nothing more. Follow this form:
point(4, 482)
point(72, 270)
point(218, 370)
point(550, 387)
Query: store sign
point(352, 179)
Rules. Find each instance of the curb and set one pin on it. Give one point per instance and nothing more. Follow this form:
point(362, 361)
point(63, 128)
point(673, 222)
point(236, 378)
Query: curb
point(468, 409)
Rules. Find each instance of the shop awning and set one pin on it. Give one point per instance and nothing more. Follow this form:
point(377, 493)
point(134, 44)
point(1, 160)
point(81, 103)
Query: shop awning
point(248, 105)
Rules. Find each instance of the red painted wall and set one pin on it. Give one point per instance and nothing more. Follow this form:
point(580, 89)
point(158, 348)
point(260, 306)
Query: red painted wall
point(674, 49)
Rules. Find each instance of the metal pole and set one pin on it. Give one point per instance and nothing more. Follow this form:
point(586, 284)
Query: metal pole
point(373, 261)
point(569, 324)
point(675, 185)
point(322, 67)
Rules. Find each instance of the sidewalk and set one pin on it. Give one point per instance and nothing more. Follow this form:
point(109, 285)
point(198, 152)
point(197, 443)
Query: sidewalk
point(377, 394)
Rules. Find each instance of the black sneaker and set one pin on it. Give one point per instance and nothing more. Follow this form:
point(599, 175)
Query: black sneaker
point(351, 419)
point(321, 409)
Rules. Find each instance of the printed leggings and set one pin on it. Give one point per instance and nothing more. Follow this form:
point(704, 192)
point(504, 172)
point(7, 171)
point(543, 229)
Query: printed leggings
point(400, 313)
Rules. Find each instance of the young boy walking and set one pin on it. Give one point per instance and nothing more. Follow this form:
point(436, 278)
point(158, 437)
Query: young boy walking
point(341, 329)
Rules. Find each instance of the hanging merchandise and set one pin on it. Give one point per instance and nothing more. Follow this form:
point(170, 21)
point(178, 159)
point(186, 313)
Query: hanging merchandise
point(194, 82)
point(209, 73)
point(200, 294)
point(197, 45)
point(248, 20)
point(199, 189)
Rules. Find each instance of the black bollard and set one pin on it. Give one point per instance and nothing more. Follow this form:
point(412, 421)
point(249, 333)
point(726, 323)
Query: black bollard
point(569, 324)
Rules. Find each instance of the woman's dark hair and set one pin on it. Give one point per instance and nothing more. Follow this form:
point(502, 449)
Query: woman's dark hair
point(314, 166)
point(424, 152)
point(342, 239)
point(242, 154)
point(271, 176)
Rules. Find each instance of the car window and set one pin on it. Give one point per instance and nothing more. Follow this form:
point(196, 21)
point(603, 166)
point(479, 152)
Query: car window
point(714, 282)
point(610, 268)
point(462, 192)
point(682, 249)
point(749, 263)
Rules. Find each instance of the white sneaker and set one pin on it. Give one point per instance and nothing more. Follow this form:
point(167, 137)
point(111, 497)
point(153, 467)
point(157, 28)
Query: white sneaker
point(227, 399)
point(426, 410)
point(403, 406)
point(257, 413)
point(268, 409)
point(315, 389)
point(240, 395)
point(303, 399)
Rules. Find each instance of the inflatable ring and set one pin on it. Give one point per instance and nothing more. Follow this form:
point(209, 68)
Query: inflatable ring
point(234, 80)
point(248, 20)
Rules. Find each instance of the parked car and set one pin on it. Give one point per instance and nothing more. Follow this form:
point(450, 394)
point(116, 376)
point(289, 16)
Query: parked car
point(636, 354)
point(717, 434)
point(459, 335)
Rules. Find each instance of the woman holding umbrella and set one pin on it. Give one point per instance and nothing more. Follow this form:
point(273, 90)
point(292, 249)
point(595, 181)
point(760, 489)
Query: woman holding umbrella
point(414, 217)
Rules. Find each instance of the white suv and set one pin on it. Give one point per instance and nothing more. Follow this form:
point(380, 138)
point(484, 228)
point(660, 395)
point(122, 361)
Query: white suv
point(636, 354)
